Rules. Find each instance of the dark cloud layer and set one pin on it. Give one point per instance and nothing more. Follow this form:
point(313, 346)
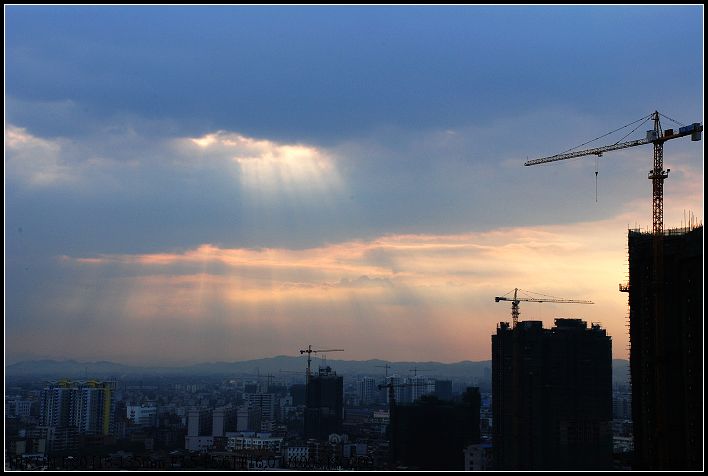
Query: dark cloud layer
point(326, 73)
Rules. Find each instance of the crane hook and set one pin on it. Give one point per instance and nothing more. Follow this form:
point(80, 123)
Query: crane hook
point(596, 170)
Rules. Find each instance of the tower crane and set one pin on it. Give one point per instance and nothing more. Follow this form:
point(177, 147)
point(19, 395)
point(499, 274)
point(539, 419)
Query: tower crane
point(657, 174)
point(386, 366)
point(309, 351)
point(516, 300)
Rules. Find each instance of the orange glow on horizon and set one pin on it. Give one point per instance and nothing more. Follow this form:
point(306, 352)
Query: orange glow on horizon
point(436, 290)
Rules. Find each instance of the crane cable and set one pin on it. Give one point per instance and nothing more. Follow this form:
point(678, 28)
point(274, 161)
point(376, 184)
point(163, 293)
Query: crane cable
point(673, 120)
point(627, 135)
point(597, 158)
point(540, 294)
point(624, 137)
point(644, 119)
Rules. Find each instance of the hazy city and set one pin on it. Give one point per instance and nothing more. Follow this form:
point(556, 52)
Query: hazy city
point(423, 238)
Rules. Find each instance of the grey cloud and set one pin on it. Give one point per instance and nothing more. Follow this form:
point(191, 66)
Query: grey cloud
point(327, 74)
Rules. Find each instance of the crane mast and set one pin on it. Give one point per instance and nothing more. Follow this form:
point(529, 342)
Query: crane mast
point(657, 176)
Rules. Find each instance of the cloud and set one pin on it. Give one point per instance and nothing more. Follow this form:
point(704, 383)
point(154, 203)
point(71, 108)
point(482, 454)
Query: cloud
point(426, 295)
point(34, 160)
point(232, 189)
point(114, 185)
point(265, 166)
point(347, 172)
point(62, 164)
point(313, 79)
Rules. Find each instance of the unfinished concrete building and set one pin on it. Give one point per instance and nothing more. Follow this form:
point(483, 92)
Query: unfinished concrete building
point(552, 396)
point(666, 338)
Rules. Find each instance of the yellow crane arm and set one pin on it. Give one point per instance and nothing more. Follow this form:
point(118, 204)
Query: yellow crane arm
point(573, 301)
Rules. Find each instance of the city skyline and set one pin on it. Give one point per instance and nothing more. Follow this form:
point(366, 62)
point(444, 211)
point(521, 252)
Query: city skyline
point(192, 184)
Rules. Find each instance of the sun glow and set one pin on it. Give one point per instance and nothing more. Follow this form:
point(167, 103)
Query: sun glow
point(270, 168)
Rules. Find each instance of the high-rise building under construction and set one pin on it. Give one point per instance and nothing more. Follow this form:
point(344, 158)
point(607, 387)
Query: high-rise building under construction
point(324, 411)
point(552, 396)
point(666, 338)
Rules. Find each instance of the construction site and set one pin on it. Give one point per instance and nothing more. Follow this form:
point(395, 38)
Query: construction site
point(665, 297)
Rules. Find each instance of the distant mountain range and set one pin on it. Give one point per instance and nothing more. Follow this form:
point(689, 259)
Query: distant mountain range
point(72, 368)
point(274, 365)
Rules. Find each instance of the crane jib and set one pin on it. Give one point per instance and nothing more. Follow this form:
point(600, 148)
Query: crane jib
point(582, 153)
point(693, 130)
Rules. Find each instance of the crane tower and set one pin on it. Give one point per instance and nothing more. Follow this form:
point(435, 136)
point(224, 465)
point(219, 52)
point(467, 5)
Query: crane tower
point(657, 174)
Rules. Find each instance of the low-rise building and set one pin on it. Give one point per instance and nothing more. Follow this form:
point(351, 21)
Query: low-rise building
point(478, 457)
point(199, 444)
point(144, 414)
point(254, 441)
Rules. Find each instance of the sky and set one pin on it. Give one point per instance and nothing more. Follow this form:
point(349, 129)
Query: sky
point(197, 184)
